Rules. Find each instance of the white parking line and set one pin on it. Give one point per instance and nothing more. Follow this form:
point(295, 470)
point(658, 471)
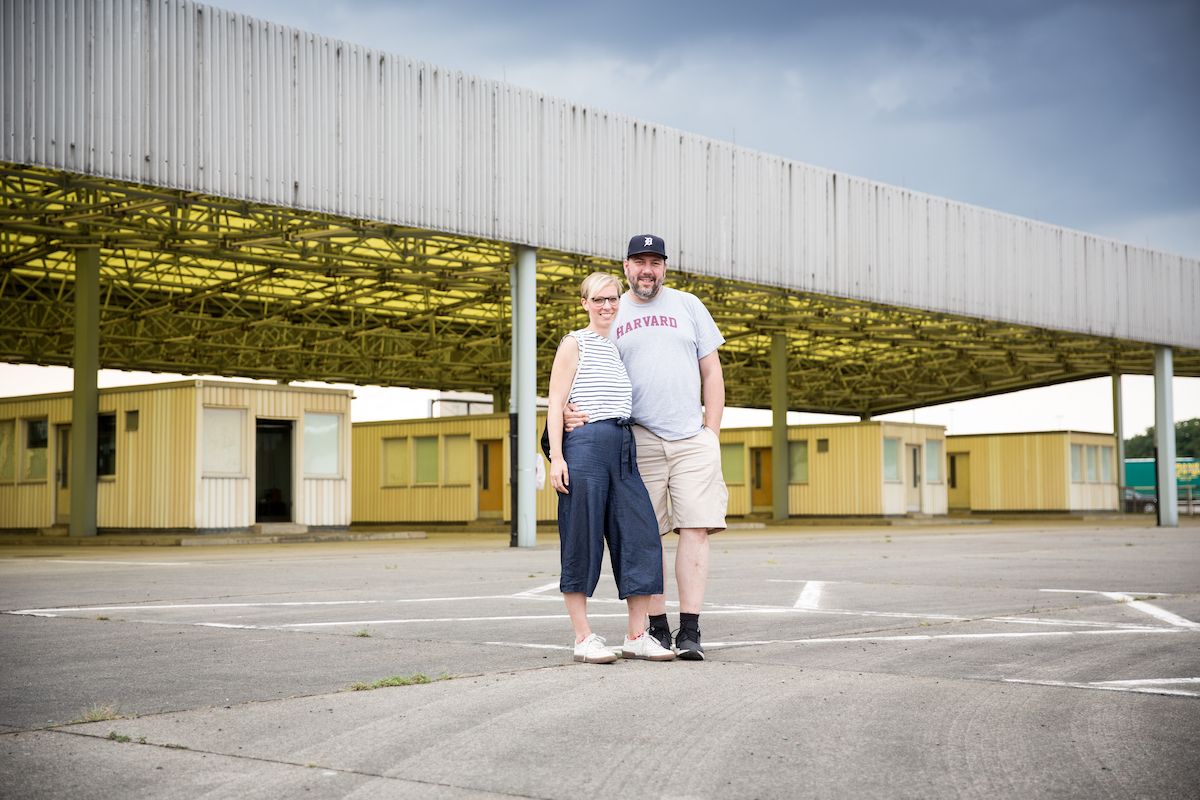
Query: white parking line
point(1154, 611)
point(810, 597)
point(123, 563)
point(1107, 687)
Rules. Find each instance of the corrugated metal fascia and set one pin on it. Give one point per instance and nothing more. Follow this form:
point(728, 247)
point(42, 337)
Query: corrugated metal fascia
point(188, 96)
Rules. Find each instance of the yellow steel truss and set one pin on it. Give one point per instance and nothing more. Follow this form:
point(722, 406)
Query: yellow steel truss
point(200, 284)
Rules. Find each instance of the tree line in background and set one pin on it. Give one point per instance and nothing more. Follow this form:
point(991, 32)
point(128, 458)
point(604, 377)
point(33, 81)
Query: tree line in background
point(1187, 441)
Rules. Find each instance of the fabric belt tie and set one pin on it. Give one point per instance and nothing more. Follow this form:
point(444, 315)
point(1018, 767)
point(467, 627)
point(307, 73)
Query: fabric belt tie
point(628, 446)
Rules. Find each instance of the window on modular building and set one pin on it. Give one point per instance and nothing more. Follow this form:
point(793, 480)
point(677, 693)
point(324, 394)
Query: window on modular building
point(798, 462)
point(1106, 464)
point(426, 456)
point(933, 461)
point(891, 459)
point(106, 444)
point(459, 460)
point(733, 462)
point(1091, 462)
point(223, 432)
point(8, 449)
point(131, 421)
point(321, 436)
point(37, 438)
point(395, 462)
point(1077, 462)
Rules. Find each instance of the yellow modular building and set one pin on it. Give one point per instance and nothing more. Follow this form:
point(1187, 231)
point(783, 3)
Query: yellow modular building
point(1051, 471)
point(449, 469)
point(846, 469)
point(199, 455)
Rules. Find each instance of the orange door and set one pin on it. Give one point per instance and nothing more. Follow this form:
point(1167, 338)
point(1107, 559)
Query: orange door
point(760, 477)
point(491, 477)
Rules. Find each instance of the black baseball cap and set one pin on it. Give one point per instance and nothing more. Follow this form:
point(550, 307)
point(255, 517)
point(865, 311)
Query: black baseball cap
point(647, 243)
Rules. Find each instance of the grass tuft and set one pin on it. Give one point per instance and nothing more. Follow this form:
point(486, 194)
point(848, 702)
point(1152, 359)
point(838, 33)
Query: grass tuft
point(116, 737)
point(399, 680)
point(98, 713)
point(364, 633)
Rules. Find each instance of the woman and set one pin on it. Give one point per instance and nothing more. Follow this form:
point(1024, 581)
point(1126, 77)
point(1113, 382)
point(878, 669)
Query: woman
point(601, 495)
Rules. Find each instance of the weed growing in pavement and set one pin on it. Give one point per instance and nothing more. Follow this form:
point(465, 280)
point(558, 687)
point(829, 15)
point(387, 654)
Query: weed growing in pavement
point(1147, 597)
point(926, 624)
point(117, 737)
point(393, 566)
point(98, 713)
point(101, 617)
point(141, 740)
point(532, 575)
point(364, 632)
point(399, 680)
point(176, 746)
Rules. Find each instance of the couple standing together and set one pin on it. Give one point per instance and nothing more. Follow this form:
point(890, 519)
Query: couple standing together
point(628, 436)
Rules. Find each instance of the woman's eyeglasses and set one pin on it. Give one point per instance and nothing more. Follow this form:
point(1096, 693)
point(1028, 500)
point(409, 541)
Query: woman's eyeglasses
point(606, 301)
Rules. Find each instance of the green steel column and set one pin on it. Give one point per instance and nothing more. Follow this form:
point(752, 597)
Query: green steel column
point(527, 439)
point(1164, 438)
point(85, 401)
point(779, 437)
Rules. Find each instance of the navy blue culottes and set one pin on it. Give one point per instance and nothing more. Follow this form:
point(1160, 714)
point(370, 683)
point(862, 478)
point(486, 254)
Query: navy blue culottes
point(607, 501)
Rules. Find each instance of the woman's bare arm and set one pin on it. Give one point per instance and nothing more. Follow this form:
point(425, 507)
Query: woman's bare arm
point(562, 374)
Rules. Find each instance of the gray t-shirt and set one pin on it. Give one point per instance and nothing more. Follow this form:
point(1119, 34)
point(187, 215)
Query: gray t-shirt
point(661, 343)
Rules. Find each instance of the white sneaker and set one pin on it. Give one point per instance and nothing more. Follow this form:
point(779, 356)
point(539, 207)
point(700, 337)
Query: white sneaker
point(593, 651)
point(646, 647)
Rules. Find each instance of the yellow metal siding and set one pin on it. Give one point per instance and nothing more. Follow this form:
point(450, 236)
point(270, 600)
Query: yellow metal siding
point(847, 480)
point(1031, 472)
point(31, 504)
point(372, 501)
point(155, 464)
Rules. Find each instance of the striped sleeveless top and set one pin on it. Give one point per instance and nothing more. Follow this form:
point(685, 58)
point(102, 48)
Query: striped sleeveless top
point(602, 387)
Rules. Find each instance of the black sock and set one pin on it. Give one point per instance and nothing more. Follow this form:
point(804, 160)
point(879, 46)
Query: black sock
point(659, 621)
point(689, 621)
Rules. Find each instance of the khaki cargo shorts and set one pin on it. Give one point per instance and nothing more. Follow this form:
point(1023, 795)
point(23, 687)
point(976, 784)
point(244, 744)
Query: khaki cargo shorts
point(684, 480)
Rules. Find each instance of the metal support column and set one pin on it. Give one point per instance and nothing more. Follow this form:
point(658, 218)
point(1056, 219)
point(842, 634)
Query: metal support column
point(526, 391)
point(1164, 438)
point(779, 439)
point(85, 403)
point(1119, 431)
point(513, 394)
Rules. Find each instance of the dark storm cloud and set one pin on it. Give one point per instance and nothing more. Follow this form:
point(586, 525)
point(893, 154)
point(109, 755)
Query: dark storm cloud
point(1083, 114)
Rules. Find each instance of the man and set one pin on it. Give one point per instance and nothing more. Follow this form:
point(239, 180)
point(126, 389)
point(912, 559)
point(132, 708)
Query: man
point(668, 343)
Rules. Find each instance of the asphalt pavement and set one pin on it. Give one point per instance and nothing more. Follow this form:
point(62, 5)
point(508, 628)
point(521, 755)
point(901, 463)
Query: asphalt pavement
point(1016, 660)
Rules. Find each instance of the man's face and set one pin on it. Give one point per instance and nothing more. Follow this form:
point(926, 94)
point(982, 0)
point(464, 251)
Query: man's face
point(645, 273)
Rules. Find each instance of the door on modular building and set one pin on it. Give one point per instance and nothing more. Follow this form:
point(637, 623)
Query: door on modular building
point(761, 497)
point(490, 460)
point(912, 493)
point(958, 485)
point(273, 475)
point(62, 476)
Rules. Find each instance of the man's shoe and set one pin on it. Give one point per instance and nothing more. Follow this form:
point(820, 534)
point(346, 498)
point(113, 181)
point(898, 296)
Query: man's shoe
point(687, 644)
point(646, 647)
point(592, 651)
point(662, 635)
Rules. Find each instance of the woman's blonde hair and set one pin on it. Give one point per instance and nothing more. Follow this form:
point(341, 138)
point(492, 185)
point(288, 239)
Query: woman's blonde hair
point(596, 281)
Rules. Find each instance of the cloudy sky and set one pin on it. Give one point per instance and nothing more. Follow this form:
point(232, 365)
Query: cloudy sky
point(1085, 115)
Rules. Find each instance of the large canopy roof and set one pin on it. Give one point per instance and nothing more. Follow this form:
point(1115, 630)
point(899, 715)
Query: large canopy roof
point(196, 283)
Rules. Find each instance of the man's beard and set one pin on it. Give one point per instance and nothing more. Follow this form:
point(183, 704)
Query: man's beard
point(643, 294)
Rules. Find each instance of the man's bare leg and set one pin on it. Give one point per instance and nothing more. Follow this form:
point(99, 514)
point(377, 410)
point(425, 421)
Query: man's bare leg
point(658, 602)
point(691, 569)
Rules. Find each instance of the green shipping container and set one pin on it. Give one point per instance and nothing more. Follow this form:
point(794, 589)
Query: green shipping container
point(1139, 474)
